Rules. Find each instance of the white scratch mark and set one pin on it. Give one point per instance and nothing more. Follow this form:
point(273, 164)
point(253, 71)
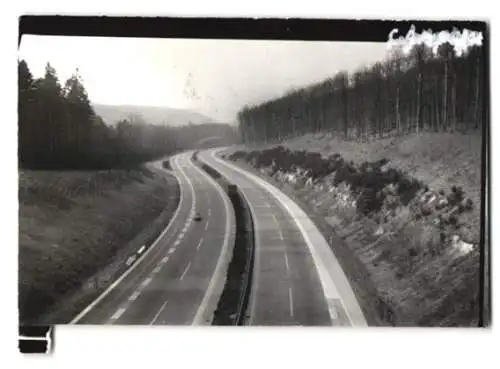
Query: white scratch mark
point(460, 41)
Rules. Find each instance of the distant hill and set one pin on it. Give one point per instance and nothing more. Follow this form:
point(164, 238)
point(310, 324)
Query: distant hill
point(151, 114)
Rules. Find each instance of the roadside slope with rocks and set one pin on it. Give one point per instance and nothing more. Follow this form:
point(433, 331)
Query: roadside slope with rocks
point(405, 211)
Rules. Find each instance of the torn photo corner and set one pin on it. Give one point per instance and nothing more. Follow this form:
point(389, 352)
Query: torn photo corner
point(35, 339)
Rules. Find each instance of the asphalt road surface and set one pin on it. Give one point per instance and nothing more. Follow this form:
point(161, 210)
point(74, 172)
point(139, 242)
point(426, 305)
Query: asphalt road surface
point(296, 278)
point(177, 280)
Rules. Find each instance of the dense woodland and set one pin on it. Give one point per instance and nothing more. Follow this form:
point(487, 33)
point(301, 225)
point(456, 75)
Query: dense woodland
point(402, 94)
point(59, 129)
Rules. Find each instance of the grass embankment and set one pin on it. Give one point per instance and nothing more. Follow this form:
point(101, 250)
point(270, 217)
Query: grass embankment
point(401, 214)
point(73, 225)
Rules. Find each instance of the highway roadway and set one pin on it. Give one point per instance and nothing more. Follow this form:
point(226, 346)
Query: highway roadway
point(178, 279)
point(296, 278)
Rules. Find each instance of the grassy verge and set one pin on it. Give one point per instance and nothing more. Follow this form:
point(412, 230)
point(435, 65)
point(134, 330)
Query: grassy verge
point(76, 227)
point(408, 241)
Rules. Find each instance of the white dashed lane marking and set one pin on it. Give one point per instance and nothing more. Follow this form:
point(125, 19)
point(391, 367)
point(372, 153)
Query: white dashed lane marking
point(146, 282)
point(159, 312)
point(134, 296)
point(199, 244)
point(157, 269)
point(164, 260)
point(185, 271)
point(118, 313)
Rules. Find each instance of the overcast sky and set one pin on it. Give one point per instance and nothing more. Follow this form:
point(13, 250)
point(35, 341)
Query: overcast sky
point(213, 77)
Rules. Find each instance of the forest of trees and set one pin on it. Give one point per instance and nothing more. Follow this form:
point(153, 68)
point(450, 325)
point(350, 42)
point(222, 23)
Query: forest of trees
point(58, 129)
point(402, 94)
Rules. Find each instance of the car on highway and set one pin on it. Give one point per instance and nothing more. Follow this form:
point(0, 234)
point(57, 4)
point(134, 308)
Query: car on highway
point(197, 217)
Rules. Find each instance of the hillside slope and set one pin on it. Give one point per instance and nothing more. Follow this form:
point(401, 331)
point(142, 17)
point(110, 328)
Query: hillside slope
point(151, 114)
point(77, 226)
point(401, 214)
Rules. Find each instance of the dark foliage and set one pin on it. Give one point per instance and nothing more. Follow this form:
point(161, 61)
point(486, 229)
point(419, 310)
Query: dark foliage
point(367, 181)
point(58, 129)
point(403, 94)
point(369, 201)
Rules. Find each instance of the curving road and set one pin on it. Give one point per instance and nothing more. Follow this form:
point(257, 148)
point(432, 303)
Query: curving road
point(296, 278)
point(178, 279)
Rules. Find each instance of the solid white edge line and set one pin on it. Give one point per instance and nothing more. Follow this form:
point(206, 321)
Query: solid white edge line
point(190, 183)
point(218, 272)
point(290, 298)
point(153, 245)
point(325, 277)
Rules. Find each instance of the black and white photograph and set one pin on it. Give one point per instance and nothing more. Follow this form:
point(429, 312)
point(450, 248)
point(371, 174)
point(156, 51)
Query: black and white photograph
point(283, 180)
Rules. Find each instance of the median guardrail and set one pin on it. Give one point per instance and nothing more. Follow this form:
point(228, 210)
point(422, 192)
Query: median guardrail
point(233, 303)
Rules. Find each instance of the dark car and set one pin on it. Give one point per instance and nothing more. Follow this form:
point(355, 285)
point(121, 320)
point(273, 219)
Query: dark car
point(197, 217)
